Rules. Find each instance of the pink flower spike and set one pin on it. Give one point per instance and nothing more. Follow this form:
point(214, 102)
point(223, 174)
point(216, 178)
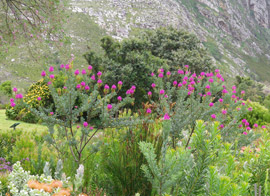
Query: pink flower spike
point(99, 81)
point(213, 116)
point(255, 125)
point(19, 96)
point(113, 86)
point(211, 104)
point(221, 126)
point(245, 133)
point(168, 73)
point(149, 93)
point(90, 67)
point(52, 76)
point(224, 91)
point(152, 74)
point(87, 88)
point(243, 103)
point(153, 85)
point(77, 72)
point(234, 88)
point(224, 112)
point(51, 113)
point(174, 83)
point(39, 98)
point(218, 76)
point(15, 89)
point(62, 66)
point(49, 83)
point(160, 75)
point(51, 69)
point(43, 73)
point(85, 124)
point(217, 70)
point(99, 73)
point(186, 66)
point(161, 70)
point(119, 98)
point(250, 109)
point(67, 67)
point(202, 73)
point(242, 92)
point(82, 83)
point(83, 72)
point(180, 72)
point(78, 126)
point(120, 83)
point(248, 128)
point(166, 117)
point(263, 127)
point(192, 83)
point(78, 86)
point(166, 96)
point(106, 86)
point(211, 80)
point(12, 104)
point(161, 92)
point(220, 100)
point(180, 85)
point(93, 77)
point(11, 100)
point(207, 87)
point(109, 106)
point(148, 111)
point(64, 87)
point(209, 93)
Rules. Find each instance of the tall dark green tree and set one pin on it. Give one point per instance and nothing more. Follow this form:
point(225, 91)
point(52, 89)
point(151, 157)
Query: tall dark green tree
point(135, 58)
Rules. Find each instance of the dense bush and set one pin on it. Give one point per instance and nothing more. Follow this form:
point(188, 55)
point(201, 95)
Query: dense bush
point(257, 114)
point(37, 90)
point(5, 87)
point(132, 60)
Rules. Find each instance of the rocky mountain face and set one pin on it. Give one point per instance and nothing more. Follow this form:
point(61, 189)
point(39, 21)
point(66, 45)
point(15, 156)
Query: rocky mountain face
point(236, 32)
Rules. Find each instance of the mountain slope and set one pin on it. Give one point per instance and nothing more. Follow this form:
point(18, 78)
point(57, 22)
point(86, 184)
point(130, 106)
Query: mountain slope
point(236, 32)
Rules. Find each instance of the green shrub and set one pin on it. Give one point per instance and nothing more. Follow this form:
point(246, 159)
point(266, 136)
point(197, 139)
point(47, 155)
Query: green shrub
point(122, 159)
point(259, 115)
point(7, 142)
point(132, 60)
point(19, 112)
point(5, 87)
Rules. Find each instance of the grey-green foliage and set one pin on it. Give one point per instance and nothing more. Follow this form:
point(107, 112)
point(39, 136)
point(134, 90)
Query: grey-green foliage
point(78, 181)
point(46, 170)
point(222, 185)
point(73, 105)
point(58, 170)
point(182, 172)
point(17, 179)
point(185, 109)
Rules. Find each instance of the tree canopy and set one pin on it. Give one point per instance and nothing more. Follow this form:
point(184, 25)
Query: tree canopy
point(132, 60)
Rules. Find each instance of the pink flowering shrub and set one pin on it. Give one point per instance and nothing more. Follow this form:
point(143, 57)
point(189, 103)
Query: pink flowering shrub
point(189, 97)
point(95, 100)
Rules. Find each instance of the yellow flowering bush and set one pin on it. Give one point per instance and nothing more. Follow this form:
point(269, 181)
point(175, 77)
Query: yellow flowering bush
point(37, 95)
